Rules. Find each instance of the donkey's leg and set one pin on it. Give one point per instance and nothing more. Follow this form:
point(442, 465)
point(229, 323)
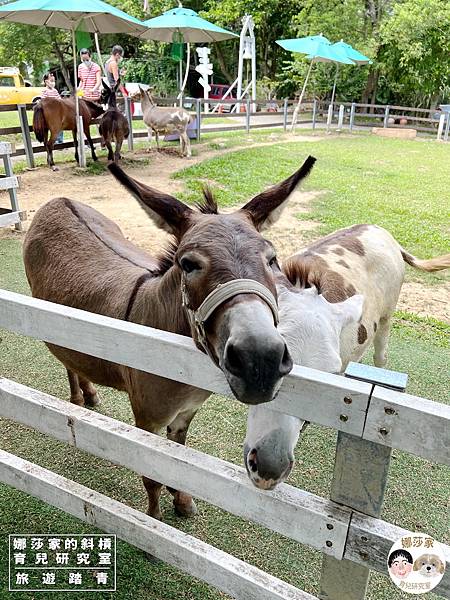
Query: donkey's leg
point(186, 146)
point(119, 142)
point(87, 133)
point(75, 143)
point(380, 341)
point(49, 146)
point(149, 137)
point(76, 395)
point(157, 139)
point(90, 395)
point(110, 150)
point(177, 431)
point(153, 488)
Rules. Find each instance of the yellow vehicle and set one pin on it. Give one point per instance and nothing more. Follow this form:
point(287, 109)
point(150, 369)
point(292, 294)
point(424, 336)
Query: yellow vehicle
point(14, 90)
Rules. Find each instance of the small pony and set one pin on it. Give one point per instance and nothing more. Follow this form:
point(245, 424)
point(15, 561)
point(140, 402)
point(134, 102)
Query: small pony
point(113, 124)
point(52, 115)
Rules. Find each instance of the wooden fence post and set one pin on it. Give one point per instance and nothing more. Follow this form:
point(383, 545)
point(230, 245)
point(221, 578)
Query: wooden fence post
point(386, 117)
point(447, 128)
point(340, 117)
point(285, 114)
point(441, 126)
point(314, 115)
point(360, 475)
point(352, 116)
point(329, 117)
point(129, 117)
point(247, 115)
point(198, 111)
point(23, 118)
point(12, 190)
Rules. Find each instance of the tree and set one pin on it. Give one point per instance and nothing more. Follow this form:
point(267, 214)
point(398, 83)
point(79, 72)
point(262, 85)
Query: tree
point(415, 52)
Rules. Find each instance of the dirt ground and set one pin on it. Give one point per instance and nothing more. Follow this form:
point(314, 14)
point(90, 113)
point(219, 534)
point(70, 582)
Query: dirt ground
point(107, 196)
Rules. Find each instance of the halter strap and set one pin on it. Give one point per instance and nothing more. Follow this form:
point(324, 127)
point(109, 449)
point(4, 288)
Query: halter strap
point(219, 295)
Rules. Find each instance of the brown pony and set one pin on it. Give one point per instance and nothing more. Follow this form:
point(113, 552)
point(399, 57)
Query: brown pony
point(59, 114)
point(113, 124)
point(75, 256)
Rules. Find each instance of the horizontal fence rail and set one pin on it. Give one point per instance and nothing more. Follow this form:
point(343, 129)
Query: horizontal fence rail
point(296, 514)
point(222, 570)
point(323, 398)
point(369, 413)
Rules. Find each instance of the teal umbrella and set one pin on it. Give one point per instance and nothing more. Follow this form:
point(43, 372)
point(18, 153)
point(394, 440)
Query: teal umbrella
point(93, 16)
point(184, 24)
point(318, 49)
point(354, 55)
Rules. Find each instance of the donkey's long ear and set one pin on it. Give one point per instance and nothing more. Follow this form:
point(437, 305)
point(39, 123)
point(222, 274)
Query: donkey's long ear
point(167, 212)
point(266, 208)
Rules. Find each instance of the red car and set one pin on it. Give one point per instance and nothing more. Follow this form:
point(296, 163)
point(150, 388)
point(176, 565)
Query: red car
point(218, 91)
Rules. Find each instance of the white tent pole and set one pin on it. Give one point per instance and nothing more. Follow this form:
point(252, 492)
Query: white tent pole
point(80, 137)
point(188, 61)
point(100, 59)
point(297, 108)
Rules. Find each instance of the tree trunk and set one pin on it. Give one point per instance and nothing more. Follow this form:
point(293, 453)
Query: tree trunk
point(223, 67)
point(371, 87)
point(60, 56)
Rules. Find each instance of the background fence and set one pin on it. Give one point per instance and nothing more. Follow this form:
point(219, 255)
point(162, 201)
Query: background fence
point(259, 114)
point(371, 420)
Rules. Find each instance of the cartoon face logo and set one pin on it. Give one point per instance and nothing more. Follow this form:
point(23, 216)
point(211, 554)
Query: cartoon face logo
point(429, 565)
point(400, 564)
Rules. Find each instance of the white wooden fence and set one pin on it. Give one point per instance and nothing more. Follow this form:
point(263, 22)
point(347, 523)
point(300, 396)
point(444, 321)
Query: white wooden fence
point(10, 183)
point(371, 420)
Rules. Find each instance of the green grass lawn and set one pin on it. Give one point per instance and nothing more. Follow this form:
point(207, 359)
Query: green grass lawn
point(418, 346)
point(401, 185)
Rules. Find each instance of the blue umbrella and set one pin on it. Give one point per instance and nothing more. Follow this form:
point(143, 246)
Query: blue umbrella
point(92, 15)
point(354, 55)
point(318, 49)
point(184, 24)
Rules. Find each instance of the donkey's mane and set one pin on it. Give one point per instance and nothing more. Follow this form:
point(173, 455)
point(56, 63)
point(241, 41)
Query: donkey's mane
point(209, 204)
point(167, 257)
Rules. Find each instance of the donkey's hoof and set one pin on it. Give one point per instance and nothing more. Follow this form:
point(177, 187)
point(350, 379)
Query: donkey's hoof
point(55, 168)
point(185, 509)
point(92, 399)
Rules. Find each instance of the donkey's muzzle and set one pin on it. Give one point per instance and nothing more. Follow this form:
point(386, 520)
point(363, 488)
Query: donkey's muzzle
point(256, 366)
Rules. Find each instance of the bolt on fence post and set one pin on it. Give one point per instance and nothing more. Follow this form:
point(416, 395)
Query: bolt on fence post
point(386, 117)
point(352, 116)
point(314, 114)
point(23, 119)
point(247, 115)
point(285, 114)
point(198, 112)
point(130, 122)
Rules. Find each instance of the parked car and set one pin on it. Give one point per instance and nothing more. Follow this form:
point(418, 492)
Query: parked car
point(15, 90)
point(218, 91)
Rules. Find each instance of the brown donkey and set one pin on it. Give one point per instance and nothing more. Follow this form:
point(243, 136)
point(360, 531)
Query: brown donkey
point(75, 256)
point(52, 115)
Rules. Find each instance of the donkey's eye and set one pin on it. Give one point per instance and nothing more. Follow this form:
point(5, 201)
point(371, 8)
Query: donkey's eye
point(273, 261)
point(189, 265)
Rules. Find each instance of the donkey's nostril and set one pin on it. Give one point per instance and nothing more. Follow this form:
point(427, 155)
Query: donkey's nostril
point(252, 460)
point(286, 362)
point(232, 360)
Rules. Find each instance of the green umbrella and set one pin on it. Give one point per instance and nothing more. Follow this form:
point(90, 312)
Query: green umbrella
point(184, 23)
point(318, 49)
point(93, 16)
